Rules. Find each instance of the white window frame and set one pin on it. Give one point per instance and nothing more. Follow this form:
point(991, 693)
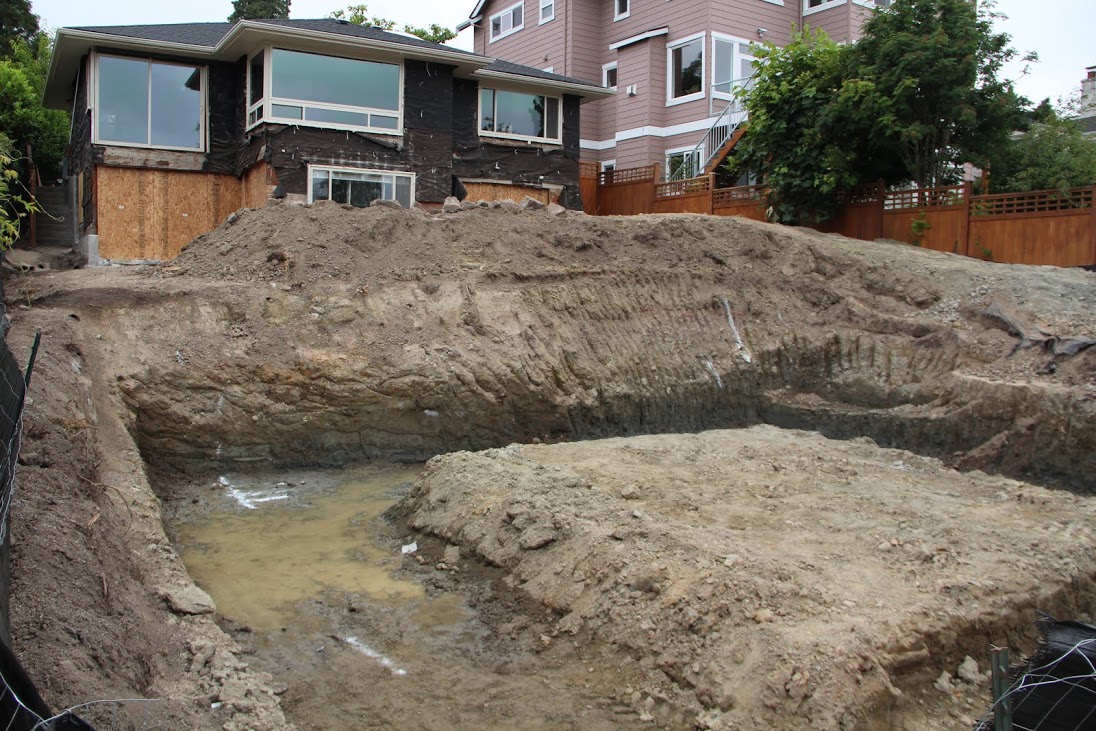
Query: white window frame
point(606, 163)
point(617, 15)
point(670, 47)
point(93, 99)
point(605, 69)
point(558, 141)
point(736, 58)
point(874, 4)
point(503, 34)
point(544, 4)
point(826, 5)
point(268, 101)
point(337, 169)
point(667, 154)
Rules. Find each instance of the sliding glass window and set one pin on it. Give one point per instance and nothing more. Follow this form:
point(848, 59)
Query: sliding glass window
point(148, 103)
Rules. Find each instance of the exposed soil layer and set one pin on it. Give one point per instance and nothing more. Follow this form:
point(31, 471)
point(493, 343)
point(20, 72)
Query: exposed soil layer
point(325, 336)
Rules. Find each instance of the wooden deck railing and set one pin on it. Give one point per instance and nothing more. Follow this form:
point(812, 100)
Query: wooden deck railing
point(687, 186)
point(1039, 201)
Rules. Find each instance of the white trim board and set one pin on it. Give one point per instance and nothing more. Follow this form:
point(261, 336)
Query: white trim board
point(699, 125)
point(641, 37)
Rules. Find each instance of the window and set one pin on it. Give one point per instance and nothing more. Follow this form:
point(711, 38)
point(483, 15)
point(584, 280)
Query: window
point(149, 103)
point(509, 21)
point(521, 116)
point(732, 65)
point(608, 166)
point(621, 9)
point(609, 76)
point(359, 187)
point(682, 164)
point(324, 91)
point(547, 10)
point(810, 6)
point(686, 70)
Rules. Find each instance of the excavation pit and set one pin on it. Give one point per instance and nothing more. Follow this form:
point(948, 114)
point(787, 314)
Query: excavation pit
point(392, 336)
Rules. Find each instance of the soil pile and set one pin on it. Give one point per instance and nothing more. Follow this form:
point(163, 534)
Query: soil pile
point(787, 580)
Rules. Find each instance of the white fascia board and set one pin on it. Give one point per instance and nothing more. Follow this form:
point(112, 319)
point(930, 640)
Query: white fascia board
point(641, 37)
point(72, 44)
point(565, 87)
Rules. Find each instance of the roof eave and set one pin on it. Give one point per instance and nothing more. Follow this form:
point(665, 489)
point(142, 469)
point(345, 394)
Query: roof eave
point(72, 44)
point(465, 61)
point(586, 91)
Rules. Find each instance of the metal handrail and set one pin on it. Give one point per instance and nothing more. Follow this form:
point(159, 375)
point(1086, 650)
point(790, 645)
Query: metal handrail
point(720, 131)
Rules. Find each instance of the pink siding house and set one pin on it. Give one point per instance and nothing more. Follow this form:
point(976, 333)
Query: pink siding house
point(673, 63)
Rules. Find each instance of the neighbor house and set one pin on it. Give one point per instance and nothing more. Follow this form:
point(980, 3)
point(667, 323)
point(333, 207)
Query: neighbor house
point(1087, 111)
point(676, 64)
point(174, 127)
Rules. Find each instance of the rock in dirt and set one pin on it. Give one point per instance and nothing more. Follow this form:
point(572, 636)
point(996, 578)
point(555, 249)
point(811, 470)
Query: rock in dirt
point(386, 203)
point(555, 209)
point(968, 671)
point(451, 205)
point(189, 600)
point(528, 203)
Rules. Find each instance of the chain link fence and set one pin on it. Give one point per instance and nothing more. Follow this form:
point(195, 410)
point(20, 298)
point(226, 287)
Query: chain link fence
point(1056, 689)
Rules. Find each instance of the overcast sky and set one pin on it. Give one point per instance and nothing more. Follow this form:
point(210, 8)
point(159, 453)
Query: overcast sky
point(1060, 31)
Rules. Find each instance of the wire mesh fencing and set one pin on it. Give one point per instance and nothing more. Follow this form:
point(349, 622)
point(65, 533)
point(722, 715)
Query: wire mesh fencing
point(1056, 689)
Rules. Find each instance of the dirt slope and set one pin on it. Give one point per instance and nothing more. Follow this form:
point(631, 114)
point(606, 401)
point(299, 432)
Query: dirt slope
point(324, 336)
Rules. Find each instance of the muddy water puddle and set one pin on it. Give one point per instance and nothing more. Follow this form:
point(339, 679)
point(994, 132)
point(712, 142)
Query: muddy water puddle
point(315, 585)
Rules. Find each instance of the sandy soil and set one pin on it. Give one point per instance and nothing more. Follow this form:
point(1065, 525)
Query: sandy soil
point(324, 336)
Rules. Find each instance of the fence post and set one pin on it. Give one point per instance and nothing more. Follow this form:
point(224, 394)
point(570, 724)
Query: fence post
point(968, 194)
point(711, 193)
point(881, 199)
point(1092, 207)
point(1002, 711)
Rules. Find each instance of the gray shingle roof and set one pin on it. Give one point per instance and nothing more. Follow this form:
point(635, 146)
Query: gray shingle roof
point(210, 34)
point(507, 67)
point(1088, 124)
point(191, 34)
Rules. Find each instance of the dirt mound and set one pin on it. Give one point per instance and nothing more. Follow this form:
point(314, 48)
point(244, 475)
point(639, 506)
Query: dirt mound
point(788, 580)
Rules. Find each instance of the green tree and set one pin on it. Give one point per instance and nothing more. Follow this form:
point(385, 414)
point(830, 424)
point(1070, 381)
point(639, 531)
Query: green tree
point(16, 22)
point(258, 9)
point(933, 66)
point(1052, 155)
point(359, 15)
point(797, 137)
point(23, 119)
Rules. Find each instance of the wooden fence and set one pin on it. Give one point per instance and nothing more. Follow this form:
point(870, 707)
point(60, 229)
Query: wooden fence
point(1043, 227)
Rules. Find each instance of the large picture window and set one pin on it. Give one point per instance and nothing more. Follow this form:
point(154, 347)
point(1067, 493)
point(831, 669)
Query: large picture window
point(149, 104)
point(518, 115)
point(324, 91)
point(686, 70)
point(359, 187)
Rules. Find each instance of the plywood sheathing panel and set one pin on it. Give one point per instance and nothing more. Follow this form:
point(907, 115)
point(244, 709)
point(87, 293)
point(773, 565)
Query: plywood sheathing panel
point(257, 185)
point(152, 214)
point(501, 192)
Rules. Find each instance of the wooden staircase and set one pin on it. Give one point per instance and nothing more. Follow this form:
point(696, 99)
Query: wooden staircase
point(724, 149)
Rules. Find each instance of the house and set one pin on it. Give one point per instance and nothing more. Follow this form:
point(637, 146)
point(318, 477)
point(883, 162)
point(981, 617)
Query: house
point(675, 64)
point(174, 127)
point(1087, 108)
